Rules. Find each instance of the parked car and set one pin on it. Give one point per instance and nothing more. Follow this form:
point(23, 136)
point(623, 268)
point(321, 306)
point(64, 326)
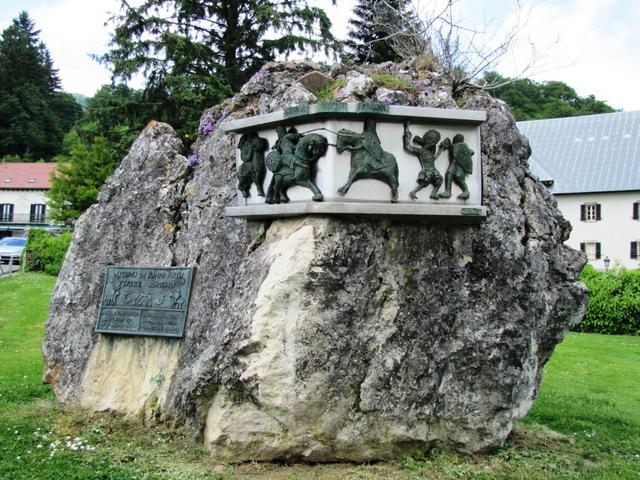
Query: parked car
point(10, 249)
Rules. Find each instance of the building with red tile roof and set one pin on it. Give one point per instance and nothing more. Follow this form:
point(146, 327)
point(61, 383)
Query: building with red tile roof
point(26, 176)
point(23, 203)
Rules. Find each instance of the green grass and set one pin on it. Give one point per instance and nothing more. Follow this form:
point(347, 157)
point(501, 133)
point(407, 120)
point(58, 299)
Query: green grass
point(584, 424)
point(328, 93)
point(393, 83)
point(24, 299)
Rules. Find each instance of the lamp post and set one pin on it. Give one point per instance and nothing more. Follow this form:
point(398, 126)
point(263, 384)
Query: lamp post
point(607, 262)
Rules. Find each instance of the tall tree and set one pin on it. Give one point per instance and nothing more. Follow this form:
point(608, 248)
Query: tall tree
point(117, 113)
point(113, 118)
point(531, 100)
point(195, 52)
point(79, 177)
point(369, 35)
point(34, 113)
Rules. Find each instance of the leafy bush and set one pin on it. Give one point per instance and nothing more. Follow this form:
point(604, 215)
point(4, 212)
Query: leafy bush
point(46, 251)
point(614, 301)
point(328, 93)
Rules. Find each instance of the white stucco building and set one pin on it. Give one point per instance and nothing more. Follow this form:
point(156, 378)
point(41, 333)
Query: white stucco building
point(22, 197)
point(592, 166)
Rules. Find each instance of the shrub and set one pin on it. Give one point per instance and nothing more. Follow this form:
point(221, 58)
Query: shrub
point(393, 83)
point(614, 301)
point(46, 251)
point(328, 93)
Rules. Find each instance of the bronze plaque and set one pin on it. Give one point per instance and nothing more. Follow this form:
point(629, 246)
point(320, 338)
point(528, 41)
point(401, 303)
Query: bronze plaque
point(151, 301)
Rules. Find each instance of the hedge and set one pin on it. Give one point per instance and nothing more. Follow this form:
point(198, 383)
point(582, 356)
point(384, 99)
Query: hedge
point(46, 251)
point(614, 301)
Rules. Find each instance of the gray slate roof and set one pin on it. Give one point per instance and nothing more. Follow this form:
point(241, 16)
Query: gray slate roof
point(594, 153)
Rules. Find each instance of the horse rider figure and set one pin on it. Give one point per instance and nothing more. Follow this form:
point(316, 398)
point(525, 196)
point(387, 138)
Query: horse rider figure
point(371, 143)
point(368, 159)
point(290, 161)
point(286, 144)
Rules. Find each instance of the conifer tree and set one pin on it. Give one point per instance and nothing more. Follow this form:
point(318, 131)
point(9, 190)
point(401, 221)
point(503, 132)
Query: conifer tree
point(34, 113)
point(369, 33)
point(79, 177)
point(228, 39)
point(195, 53)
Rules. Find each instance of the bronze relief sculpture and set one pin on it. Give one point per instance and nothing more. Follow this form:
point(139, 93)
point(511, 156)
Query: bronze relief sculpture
point(368, 158)
point(291, 162)
point(294, 155)
point(427, 155)
point(460, 166)
point(460, 162)
point(252, 169)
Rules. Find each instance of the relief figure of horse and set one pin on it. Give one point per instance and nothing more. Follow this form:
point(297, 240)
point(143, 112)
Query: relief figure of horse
point(294, 168)
point(368, 159)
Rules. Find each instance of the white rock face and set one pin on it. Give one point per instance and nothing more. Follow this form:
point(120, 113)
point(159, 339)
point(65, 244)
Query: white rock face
point(392, 97)
point(129, 375)
point(358, 86)
point(320, 338)
point(288, 96)
point(279, 308)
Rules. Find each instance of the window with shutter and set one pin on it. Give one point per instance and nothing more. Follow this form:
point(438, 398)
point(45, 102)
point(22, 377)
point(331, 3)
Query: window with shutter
point(6, 212)
point(634, 249)
point(590, 212)
point(37, 213)
point(593, 250)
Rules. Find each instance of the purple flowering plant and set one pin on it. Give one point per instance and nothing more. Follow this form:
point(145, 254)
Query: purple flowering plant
point(207, 128)
point(192, 160)
point(461, 272)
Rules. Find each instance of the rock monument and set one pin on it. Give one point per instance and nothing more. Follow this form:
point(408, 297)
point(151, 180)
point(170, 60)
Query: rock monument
point(323, 337)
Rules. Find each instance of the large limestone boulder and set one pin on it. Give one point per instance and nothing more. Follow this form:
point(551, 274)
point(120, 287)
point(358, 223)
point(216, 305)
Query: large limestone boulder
point(320, 338)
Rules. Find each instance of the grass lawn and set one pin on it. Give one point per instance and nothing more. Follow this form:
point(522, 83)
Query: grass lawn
point(584, 424)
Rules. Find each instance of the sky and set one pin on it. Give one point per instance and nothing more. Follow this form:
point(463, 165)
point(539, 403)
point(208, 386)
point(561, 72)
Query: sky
point(592, 45)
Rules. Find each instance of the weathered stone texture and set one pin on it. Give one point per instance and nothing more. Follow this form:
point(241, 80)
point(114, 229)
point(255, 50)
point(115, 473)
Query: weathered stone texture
point(321, 338)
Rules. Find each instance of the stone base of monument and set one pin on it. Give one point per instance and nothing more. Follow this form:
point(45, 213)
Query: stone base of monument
point(409, 211)
point(328, 336)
